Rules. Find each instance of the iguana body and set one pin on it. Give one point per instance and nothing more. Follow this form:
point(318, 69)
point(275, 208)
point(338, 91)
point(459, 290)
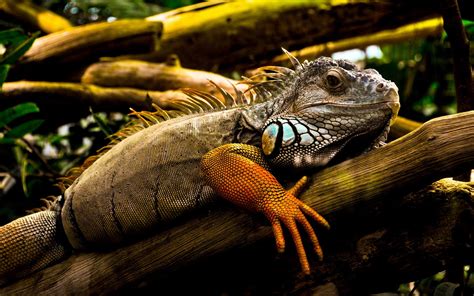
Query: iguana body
point(322, 110)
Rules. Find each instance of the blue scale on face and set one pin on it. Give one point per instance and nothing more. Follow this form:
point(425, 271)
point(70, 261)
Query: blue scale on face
point(288, 136)
point(280, 133)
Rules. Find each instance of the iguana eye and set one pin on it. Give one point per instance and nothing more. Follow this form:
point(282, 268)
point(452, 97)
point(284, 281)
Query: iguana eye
point(333, 78)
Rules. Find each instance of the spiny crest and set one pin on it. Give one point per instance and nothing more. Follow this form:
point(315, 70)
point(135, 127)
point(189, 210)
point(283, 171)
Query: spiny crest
point(266, 84)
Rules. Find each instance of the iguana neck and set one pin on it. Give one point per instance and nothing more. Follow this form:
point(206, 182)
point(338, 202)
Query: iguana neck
point(252, 121)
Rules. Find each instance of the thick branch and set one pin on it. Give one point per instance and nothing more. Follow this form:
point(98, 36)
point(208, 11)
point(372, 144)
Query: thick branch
point(440, 148)
point(153, 76)
point(70, 101)
point(85, 44)
point(37, 16)
point(230, 33)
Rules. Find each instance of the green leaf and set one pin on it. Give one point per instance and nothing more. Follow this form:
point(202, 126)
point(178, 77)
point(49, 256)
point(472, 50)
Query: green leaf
point(469, 27)
point(24, 173)
point(3, 73)
point(19, 50)
point(24, 128)
point(101, 123)
point(10, 114)
point(12, 37)
point(7, 141)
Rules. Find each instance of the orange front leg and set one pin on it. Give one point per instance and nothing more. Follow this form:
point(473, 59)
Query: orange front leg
point(237, 173)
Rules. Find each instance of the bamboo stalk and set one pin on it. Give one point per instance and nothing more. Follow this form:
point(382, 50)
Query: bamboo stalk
point(439, 148)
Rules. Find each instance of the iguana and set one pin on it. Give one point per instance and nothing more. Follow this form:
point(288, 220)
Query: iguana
point(299, 119)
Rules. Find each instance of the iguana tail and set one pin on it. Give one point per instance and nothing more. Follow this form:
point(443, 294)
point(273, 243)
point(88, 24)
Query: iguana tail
point(30, 243)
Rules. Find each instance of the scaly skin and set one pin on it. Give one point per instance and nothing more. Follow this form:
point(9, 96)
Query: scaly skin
point(324, 111)
point(236, 172)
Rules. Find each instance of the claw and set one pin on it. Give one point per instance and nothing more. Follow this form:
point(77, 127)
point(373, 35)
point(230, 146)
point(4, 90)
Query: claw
point(279, 238)
point(289, 210)
point(249, 185)
point(296, 190)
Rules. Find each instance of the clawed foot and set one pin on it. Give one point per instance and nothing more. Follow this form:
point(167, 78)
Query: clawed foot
point(289, 210)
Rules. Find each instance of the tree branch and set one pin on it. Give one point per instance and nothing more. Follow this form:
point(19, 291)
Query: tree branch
point(440, 148)
point(37, 16)
point(79, 46)
point(75, 98)
point(154, 76)
point(245, 33)
point(418, 30)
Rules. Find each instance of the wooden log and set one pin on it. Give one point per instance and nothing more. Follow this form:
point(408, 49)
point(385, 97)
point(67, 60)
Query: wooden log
point(418, 30)
point(247, 32)
point(154, 76)
point(440, 148)
point(86, 44)
point(34, 15)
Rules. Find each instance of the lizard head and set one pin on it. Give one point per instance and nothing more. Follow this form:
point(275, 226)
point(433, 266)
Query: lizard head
point(329, 109)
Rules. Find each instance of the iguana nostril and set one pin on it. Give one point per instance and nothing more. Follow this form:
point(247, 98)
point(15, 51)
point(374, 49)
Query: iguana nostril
point(380, 87)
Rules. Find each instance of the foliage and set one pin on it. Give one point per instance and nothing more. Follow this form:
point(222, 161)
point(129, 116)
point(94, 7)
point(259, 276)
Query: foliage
point(422, 69)
point(13, 44)
point(15, 134)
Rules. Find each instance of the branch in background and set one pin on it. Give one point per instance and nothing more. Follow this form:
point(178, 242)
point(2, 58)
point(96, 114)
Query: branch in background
point(75, 98)
point(226, 34)
point(371, 182)
point(34, 15)
point(56, 97)
point(86, 44)
point(153, 76)
point(245, 33)
point(403, 126)
point(431, 27)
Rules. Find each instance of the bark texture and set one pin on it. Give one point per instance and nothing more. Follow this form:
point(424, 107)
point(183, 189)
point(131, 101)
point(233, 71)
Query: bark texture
point(154, 76)
point(247, 32)
point(368, 185)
